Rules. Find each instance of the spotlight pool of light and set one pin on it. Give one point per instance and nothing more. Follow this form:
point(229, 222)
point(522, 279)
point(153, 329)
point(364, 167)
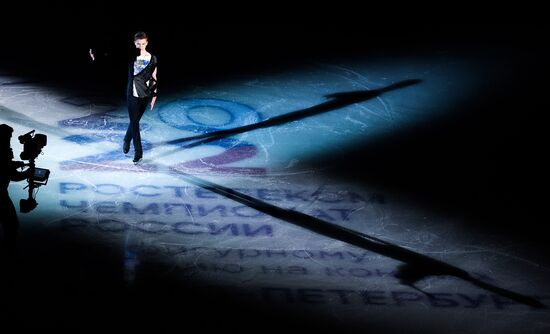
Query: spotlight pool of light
point(211, 207)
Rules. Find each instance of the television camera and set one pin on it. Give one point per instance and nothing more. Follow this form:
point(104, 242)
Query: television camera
point(32, 147)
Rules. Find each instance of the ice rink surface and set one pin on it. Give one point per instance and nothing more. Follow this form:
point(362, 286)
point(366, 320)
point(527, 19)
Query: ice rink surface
point(362, 193)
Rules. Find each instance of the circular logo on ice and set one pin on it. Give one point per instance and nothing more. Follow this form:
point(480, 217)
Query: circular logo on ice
point(206, 115)
point(202, 116)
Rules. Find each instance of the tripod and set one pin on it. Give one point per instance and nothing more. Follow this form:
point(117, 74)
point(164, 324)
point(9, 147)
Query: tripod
point(28, 204)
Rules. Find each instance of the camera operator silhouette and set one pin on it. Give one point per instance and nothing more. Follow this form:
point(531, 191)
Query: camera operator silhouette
point(9, 172)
